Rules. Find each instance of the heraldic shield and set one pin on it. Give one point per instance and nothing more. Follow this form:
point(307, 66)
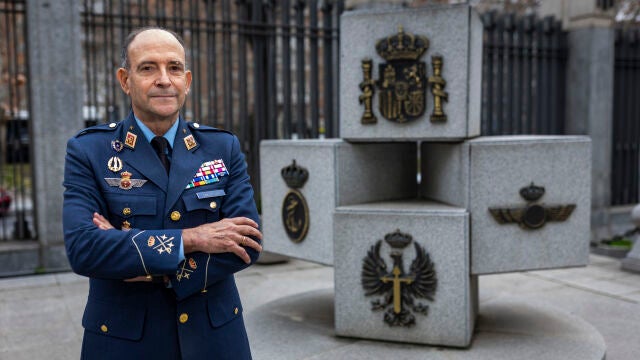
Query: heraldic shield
point(403, 79)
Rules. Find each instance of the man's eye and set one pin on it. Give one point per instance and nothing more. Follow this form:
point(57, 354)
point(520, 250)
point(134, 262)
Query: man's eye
point(146, 68)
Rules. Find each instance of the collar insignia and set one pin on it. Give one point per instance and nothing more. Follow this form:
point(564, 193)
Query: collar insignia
point(190, 142)
point(130, 140)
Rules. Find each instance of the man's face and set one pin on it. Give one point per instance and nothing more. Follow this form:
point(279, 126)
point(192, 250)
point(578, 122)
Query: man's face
point(157, 80)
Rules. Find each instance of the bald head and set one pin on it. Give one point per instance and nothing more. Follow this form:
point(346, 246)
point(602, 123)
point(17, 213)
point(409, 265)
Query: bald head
point(149, 31)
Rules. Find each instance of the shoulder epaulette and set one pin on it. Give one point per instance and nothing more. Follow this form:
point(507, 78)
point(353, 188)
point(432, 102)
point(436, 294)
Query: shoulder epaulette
point(199, 127)
point(97, 128)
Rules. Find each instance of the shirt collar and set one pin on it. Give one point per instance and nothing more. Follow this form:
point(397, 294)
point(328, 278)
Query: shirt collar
point(170, 135)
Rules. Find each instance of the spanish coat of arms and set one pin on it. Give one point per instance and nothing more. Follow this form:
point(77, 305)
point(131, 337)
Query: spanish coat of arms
point(403, 78)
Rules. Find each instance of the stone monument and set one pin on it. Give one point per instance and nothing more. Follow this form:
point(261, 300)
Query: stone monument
point(407, 256)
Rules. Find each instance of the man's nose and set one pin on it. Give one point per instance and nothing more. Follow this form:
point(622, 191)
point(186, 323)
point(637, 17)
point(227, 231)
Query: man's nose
point(163, 78)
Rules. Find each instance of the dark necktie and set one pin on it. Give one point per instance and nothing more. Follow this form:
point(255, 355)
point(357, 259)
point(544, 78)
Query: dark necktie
point(160, 145)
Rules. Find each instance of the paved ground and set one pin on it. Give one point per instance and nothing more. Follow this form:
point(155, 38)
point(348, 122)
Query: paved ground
point(40, 315)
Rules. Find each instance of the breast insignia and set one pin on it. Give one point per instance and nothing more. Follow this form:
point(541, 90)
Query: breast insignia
point(125, 182)
point(114, 164)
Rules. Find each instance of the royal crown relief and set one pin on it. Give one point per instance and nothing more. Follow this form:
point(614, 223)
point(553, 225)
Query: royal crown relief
point(403, 80)
point(295, 211)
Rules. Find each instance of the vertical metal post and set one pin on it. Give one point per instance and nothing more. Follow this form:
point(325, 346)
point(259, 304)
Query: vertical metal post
point(327, 51)
point(227, 64)
point(286, 70)
point(243, 97)
point(313, 56)
point(301, 126)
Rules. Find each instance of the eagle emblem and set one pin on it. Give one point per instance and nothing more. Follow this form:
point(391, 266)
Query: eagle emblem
point(533, 215)
point(398, 289)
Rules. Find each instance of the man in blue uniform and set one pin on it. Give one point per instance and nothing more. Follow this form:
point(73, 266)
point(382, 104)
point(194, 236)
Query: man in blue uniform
point(159, 213)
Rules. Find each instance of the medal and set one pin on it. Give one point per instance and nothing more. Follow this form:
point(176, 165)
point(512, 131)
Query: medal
point(116, 145)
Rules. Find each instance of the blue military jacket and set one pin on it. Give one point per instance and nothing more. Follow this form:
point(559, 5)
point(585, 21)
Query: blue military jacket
point(113, 170)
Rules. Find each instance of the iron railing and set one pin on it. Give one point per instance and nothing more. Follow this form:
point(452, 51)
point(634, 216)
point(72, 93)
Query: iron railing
point(524, 64)
point(16, 212)
point(263, 69)
point(626, 118)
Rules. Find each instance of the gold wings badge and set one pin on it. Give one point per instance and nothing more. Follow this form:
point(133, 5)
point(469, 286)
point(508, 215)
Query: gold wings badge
point(533, 215)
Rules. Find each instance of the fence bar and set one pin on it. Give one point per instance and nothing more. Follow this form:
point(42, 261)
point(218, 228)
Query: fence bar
point(313, 56)
point(301, 128)
point(226, 59)
point(243, 103)
point(286, 70)
point(327, 51)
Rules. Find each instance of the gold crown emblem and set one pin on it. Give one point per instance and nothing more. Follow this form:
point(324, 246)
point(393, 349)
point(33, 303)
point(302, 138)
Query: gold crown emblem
point(295, 176)
point(402, 46)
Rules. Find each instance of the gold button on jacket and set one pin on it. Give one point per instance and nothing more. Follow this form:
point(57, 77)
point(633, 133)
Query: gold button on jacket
point(183, 318)
point(126, 211)
point(175, 215)
point(104, 328)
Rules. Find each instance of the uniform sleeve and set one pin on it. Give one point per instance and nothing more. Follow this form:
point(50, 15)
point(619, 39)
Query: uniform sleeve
point(110, 254)
point(199, 270)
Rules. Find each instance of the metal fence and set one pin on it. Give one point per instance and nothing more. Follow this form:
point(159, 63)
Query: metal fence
point(626, 118)
point(263, 69)
point(524, 64)
point(16, 213)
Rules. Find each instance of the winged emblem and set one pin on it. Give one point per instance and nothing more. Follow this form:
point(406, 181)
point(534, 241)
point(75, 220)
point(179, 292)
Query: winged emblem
point(125, 182)
point(533, 215)
point(399, 290)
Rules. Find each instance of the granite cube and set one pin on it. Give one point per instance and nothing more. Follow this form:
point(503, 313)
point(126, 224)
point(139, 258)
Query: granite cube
point(529, 198)
point(384, 289)
point(338, 173)
point(454, 32)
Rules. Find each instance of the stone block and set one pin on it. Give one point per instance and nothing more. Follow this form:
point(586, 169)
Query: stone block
point(339, 173)
point(442, 231)
point(489, 172)
point(453, 31)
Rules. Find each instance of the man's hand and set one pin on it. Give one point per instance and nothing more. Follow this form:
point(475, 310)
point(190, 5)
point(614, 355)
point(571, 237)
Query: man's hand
point(101, 222)
point(226, 235)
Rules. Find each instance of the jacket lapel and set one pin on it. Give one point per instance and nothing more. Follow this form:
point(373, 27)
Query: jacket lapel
point(184, 164)
point(142, 157)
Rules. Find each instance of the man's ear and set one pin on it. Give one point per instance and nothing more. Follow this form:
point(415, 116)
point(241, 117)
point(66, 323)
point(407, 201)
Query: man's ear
point(123, 75)
point(188, 81)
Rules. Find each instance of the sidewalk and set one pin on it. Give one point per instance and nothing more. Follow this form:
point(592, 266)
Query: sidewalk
point(40, 315)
